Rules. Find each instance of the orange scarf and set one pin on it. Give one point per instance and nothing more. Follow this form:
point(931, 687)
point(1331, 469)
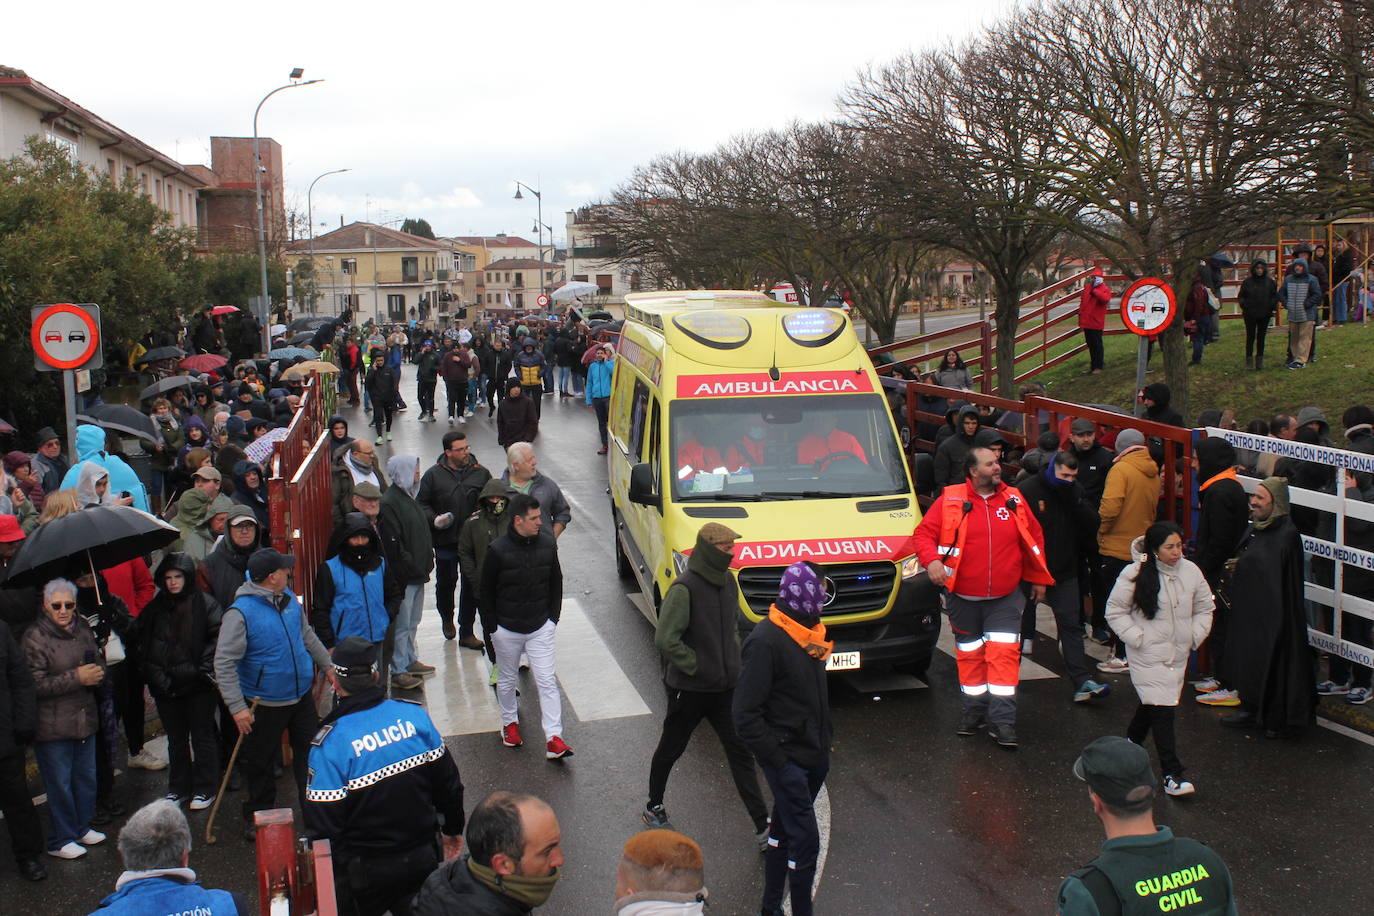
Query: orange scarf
point(812, 639)
point(1228, 474)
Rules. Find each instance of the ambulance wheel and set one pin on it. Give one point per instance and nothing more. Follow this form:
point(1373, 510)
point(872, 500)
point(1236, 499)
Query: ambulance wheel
point(622, 562)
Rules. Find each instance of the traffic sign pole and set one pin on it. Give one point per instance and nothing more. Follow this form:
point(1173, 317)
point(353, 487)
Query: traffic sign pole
point(69, 407)
point(1141, 362)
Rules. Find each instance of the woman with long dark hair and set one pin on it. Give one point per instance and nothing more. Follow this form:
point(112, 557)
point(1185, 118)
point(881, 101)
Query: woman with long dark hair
point(952, 372)
point(1161, 608)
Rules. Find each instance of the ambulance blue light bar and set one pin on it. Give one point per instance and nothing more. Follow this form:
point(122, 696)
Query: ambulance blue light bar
point(813, 327)
point(714, 329)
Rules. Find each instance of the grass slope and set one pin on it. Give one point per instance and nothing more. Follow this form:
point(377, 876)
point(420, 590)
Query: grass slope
point(1343, 375)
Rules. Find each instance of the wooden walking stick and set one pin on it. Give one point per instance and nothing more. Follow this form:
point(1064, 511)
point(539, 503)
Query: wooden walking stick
point(224, 783)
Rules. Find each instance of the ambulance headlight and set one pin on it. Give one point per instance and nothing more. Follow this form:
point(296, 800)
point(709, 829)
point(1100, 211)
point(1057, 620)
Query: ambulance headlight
point(911, 568)
point(714, 329)
point(813, 327)
point(679, 562)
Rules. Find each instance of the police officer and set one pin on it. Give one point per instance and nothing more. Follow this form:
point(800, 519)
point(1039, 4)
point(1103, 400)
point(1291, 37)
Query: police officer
point(379, 771)
point(1143, 868)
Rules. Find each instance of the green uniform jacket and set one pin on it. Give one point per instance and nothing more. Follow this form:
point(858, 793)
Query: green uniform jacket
point(1154, 874)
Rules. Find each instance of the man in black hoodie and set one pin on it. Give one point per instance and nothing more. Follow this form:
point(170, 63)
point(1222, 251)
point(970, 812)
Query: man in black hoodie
point(1258, 298)
point(1156, 399)
point(426, 377)
point(949, 457)
point(448, 494)
point(1069, 524)
point(1224, 516)
point(698, 634)
point(782, 711)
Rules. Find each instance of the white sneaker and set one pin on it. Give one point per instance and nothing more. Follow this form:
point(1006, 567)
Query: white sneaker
point(92, 838)
point(70, 851)
point(462, 419)
point(1175, 786)
point(201, 802)
point(146, 760)
point(467, 413)
point(1114, 665)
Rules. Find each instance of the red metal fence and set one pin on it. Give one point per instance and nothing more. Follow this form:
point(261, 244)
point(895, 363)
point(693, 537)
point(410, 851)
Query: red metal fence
point(298, 485)
point(1176, 471)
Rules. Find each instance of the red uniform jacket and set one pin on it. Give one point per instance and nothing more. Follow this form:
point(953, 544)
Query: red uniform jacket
point(990, 549)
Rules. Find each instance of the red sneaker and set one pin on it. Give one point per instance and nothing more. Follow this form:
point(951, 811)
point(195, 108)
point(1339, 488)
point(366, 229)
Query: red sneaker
point(510, 735)
point(557, 749)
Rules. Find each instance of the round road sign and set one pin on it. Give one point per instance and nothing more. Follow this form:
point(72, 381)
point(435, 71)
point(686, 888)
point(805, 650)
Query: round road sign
point(65, 336)
point(1148, 306)
point(543, 301)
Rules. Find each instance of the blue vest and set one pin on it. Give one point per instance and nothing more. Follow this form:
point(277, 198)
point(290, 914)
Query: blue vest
point(359, 603)
point(367, 747)
point(276, 667)
point(167, 897)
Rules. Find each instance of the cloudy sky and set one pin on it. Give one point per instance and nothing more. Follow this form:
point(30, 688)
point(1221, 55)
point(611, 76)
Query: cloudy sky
point(437, 108)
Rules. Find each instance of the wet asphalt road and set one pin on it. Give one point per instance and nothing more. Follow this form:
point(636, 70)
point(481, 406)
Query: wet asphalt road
point(920, 821)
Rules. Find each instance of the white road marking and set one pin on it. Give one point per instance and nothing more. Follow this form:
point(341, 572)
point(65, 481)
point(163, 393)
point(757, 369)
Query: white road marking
point(461, 702)
point(1346, 730)
point(594, 684)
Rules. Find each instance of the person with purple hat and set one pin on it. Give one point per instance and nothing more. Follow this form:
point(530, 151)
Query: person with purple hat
point(782, 711)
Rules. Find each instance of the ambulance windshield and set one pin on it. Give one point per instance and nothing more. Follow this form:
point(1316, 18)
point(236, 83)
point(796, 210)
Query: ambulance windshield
point(763, 448)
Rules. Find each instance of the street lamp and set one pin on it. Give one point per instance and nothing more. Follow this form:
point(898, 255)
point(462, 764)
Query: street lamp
point(310, 215)
point(539, 217)
point(296, 74)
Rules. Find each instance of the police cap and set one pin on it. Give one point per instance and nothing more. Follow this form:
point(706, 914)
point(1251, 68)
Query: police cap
point(354, 657)
point(1117, 770)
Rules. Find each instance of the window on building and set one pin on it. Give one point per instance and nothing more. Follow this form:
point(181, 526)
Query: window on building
point(507, 276)
point(603, 284)
point(110, 167)
point(66, 144)
point(634, 281)
point(519, 280)
point(396, 306)
point(580, 278)
point(410, 270)
point(519, 300)
point(346, 301)
point(349, 265)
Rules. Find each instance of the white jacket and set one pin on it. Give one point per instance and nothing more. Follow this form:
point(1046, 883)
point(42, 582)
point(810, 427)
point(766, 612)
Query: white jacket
point(661, 903)
point(1158, 649)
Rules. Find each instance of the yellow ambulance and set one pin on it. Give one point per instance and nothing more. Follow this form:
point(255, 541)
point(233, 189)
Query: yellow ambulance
point(767, 417)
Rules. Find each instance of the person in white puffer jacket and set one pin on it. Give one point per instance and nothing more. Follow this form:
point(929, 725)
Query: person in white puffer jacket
point(1161, 608)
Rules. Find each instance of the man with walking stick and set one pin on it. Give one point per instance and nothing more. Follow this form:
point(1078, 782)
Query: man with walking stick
point(267, 649)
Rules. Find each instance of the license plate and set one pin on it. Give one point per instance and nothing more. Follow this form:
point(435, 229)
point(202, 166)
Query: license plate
point(842, 661)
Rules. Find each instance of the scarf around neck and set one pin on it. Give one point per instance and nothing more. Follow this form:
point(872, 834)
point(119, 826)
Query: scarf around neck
point(528, 892)
point(811, 639)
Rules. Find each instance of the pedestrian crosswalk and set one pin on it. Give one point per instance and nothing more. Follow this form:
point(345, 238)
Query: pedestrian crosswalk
point(596, 687)
point(461, 702)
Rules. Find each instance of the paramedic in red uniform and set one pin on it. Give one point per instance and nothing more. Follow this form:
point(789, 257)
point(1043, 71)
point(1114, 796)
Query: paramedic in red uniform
point(980, 541)
point(835, 443)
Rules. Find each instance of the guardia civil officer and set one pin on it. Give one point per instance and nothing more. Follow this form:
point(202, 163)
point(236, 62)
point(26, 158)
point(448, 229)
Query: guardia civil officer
point(379, 773)
point(1143, 869)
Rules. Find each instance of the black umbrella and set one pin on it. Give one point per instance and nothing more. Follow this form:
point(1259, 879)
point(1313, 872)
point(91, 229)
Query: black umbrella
point(98, 537)
point(1222, 259)
point(157, 354)
point(162, 386)
point(302, 339)
point(600, 315)
point(311, 322)
point(122, 419)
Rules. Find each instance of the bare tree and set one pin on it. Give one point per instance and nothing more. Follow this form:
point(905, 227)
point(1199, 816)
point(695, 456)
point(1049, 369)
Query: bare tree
point(1178, 137)
point(971, 163)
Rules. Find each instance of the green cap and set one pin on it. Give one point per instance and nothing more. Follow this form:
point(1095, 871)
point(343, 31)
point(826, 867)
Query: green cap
point(1117, 770)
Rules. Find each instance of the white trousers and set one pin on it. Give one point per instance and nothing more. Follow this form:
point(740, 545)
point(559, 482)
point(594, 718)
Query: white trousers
point(539, 647)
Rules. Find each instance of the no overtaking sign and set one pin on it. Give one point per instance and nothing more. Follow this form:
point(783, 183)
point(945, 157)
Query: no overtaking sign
point(66, 336)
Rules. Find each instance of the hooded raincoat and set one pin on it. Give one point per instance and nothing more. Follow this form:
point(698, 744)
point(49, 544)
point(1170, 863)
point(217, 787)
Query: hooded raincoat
point(90, 447)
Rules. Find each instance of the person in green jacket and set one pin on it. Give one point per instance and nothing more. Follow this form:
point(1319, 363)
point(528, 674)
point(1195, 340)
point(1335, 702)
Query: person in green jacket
point(1143, 868)
point(409, 550)
point(489, 522)
point(698, 635)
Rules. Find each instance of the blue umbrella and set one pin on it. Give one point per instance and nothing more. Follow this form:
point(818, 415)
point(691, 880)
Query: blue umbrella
point(292, 353)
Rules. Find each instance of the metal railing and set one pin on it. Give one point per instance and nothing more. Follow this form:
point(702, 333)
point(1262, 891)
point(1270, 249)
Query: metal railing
point(299, 485)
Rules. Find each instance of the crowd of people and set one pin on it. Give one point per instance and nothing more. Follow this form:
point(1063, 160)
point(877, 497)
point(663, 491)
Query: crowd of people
point(210, 628)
